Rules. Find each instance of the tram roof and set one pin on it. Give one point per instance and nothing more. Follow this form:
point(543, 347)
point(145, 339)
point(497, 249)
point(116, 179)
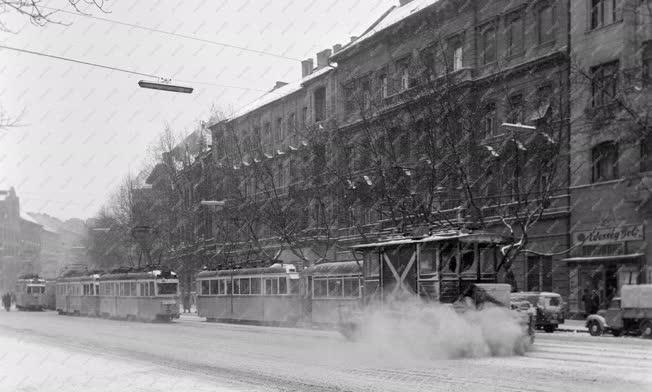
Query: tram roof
point(139, 275)
point(337, 268)
point(274, 269)
point(79, 278)
point(469, 237)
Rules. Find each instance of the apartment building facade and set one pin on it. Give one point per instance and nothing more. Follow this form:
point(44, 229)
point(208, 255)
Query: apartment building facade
point(611, 104)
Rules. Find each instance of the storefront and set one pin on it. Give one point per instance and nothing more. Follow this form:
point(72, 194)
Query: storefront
point(605, 260)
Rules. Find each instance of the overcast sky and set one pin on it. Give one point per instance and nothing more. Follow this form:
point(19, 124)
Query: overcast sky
point(84, 128)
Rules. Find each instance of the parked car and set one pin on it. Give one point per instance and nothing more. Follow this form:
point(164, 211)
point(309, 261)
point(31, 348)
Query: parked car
point(631, 313)
point(548, 306)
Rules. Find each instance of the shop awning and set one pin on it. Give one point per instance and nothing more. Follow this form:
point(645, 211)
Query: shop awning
point(599, 259)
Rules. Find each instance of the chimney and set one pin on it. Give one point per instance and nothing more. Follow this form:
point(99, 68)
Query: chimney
point(279, 84)
point(354, 37)
point(337, 48)
point(404, 2)
point(322, 58)
point(306, 67)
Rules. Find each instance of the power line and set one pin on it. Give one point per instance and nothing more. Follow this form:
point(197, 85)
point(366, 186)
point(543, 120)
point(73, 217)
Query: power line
point(112, 68)
point(185, 36)
point(79, 61)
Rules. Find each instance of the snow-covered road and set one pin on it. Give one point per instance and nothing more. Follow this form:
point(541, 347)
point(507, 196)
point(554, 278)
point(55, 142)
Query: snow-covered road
point(46, 352)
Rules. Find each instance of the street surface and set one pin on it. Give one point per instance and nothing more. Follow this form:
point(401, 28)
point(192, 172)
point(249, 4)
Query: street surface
point(42, 351)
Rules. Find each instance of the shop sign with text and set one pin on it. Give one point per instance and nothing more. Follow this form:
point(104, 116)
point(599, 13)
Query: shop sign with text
point(606, 235)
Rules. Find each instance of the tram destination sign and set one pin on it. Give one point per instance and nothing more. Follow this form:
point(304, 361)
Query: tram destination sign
point(606, 235)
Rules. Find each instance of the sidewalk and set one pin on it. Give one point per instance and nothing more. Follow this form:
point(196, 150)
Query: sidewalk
point(573, 326)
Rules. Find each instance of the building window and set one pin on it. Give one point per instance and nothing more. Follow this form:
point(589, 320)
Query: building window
point(515, 35)
point(516, 109)
point(320, 104)
point(489, 119)
point(605, 161)
point(646, 153)
point(539, 273)
point(428, 58)
point(545, 24)
point(604, 83)
point(646, 54)
point(604, 12)
point(384, 92)
point(366, 94)
point(279, 130)
point(267, 132)
point(489, 46)
point(455, 54)
point(292, 124)
point(349, 97)
point(304, 117)
point(403, 74)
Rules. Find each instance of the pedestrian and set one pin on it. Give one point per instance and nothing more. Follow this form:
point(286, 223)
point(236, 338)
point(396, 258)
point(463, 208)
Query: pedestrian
point(586, 300)
point(595, 302)
point(6, 301)
point(186, 302)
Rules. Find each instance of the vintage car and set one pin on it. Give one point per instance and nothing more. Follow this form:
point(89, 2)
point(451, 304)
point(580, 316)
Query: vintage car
point(548, 307)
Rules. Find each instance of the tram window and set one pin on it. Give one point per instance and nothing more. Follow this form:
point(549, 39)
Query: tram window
point(351, 287)
point(167, 288)
point(244, 286)
point(221, 288)
point(206, 287)
point(228, 287)
point(133, 289)
point(282, 285)
point(427, 259)
point(320, 288)
point(467, 259)
point(121, 290)
point(487, 259)
point(449, 257)
point(151, 289)
point(268, 286)
point(335, 287)
point(236, 286)
point(294, 286)
point(255, 286)
point(371, 264)
point(274, 286)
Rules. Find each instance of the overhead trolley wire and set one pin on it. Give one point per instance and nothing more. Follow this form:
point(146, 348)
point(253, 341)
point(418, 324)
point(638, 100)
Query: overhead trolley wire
point(185, 36)
point(112, 68)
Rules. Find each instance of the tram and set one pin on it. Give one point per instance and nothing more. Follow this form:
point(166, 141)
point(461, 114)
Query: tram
point(30, 293)
point(440, 267)
point(335, 291)
point(144, 294)
point(268, 295)
point(77, 294)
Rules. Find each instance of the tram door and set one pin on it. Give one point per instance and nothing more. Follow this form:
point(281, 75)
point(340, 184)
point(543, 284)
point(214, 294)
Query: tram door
point(399, 272)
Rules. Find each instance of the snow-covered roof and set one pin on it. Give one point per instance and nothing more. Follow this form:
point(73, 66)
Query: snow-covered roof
point(337, 268)
point(28, 218)
point(391, 18)
point(482, 237)
point(268, 98)
point(279, 93)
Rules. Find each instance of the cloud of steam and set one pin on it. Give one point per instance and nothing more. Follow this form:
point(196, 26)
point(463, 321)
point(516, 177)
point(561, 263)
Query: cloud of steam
point(416, 330)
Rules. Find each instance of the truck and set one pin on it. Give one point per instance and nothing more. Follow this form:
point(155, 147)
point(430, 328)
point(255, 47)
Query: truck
point(630, 314)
